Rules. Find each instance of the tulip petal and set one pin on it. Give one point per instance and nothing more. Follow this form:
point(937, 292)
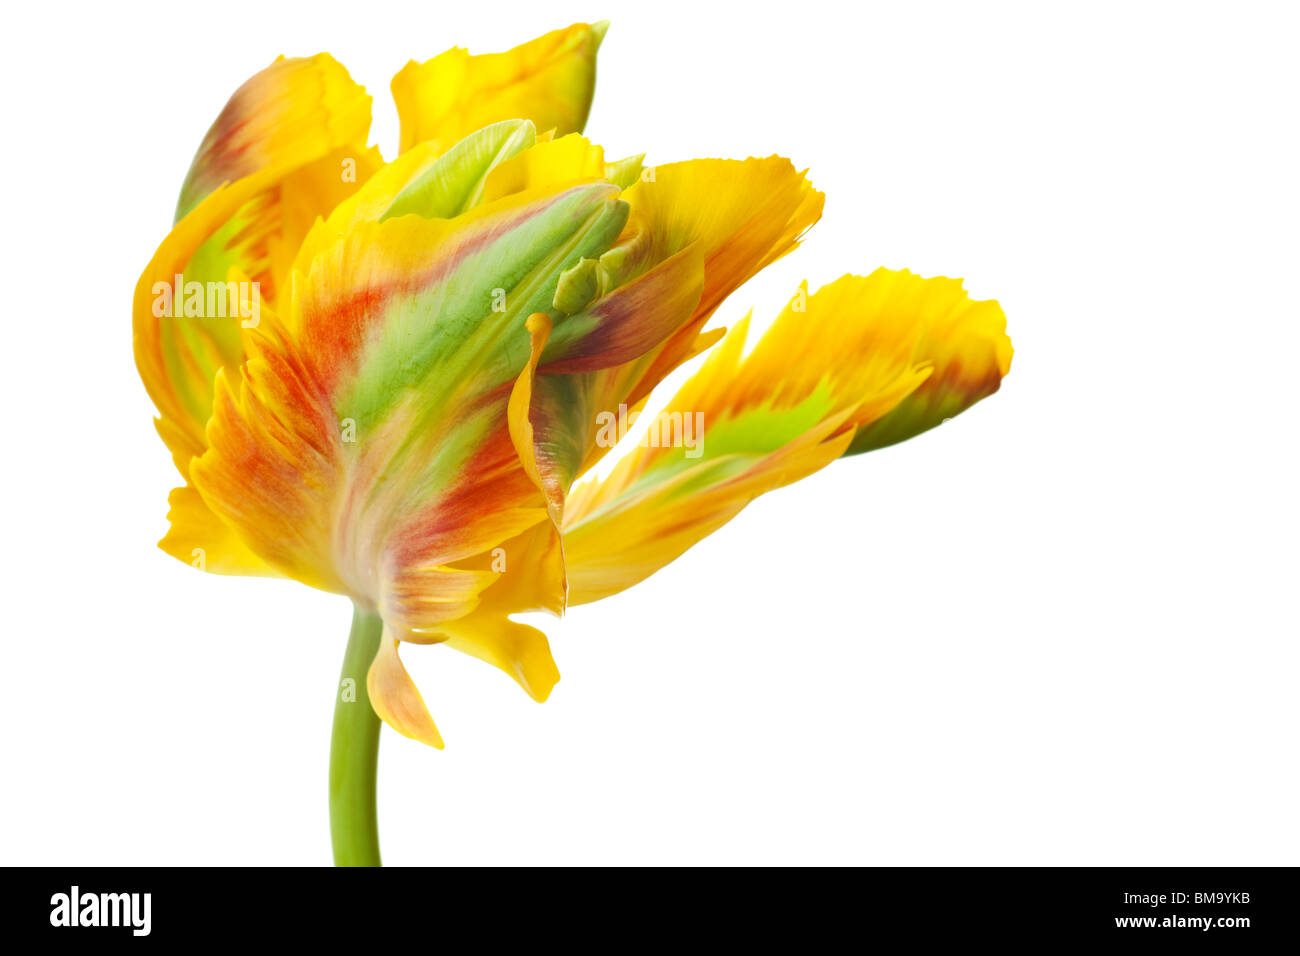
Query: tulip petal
point(571, 158)
point(395, 697)
point(530, 569)
point(201, 539)
point(518, 649)
point(287, 147)
point(549, 80)
point(737, 215)
point(177, 356)
point(830, 367)
point(964, 340)
point(521, 428)
point(304, 118)
point(696, 231)
point(454, 184)
point(631, 321)
point(295, 108)
point(742, 214)
point(421, 182)
point(614, 542)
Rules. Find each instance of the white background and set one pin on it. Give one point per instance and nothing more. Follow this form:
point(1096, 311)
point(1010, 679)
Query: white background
point(1060, 629)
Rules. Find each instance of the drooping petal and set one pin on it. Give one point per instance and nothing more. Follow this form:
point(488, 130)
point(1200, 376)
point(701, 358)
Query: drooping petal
point(549, 80)
point(520, 650)
point(530, 577)
point(395, 697)
point(830, 366)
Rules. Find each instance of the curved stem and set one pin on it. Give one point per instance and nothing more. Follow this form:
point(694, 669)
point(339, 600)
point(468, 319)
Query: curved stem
point(354, 751)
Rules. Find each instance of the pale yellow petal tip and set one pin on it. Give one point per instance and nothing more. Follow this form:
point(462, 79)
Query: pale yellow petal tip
point(598, 31)
point(396, 699)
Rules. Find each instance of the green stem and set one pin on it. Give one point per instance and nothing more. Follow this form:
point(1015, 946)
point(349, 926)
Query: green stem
point(354, 751)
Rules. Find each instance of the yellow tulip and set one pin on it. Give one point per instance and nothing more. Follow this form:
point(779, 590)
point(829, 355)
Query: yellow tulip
point(388, 380)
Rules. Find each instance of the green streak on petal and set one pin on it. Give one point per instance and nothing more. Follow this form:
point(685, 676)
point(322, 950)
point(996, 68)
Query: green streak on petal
point(918, 413)
point(763, 430)
point(732, 445)
point(469, 327)
point(624, 172)
point(429, 459)
point(454, 183)
point(211, 341)
point(577, 286)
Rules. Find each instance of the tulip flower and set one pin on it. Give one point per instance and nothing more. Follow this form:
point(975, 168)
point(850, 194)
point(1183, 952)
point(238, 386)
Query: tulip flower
point(394, 380)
